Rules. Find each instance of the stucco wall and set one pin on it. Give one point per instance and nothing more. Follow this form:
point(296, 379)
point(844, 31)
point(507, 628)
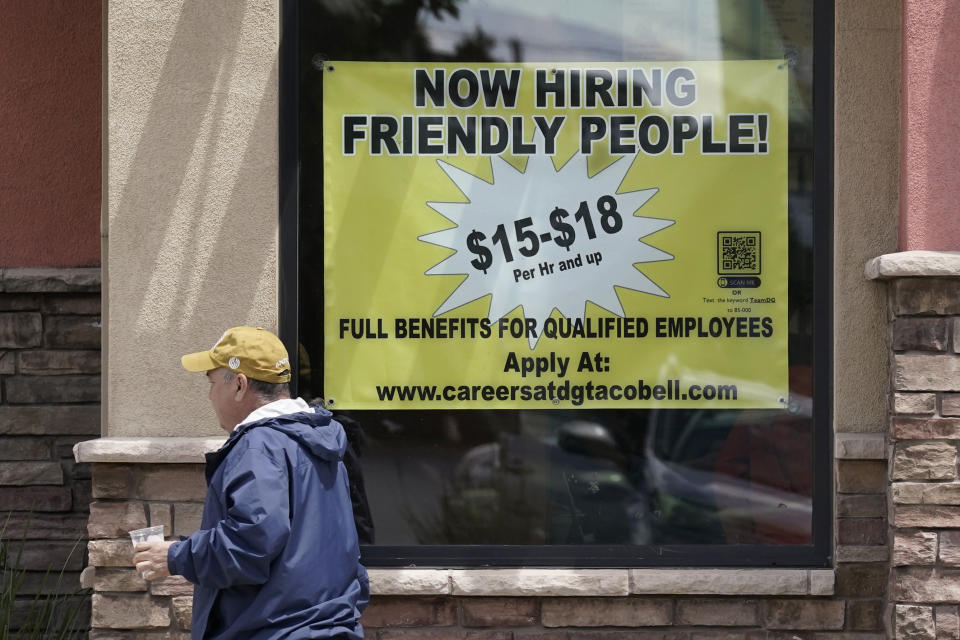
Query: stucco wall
point(50, 134)
point(931, 138)
point(866, 173)
point(191, 198)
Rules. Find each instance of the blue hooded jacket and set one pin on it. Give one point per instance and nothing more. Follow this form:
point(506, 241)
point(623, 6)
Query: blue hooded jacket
point(277, 553)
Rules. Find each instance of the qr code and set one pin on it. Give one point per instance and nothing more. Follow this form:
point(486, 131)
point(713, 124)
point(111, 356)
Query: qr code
point(738, 252)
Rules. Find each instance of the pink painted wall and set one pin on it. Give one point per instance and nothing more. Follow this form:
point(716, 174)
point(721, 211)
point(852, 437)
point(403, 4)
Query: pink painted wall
point(50, 133)
point(930, 151)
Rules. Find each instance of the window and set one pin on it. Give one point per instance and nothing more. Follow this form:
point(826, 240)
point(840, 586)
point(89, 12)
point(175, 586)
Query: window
point(416, 132)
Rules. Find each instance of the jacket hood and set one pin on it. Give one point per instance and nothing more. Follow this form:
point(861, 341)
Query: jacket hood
point(314, 429)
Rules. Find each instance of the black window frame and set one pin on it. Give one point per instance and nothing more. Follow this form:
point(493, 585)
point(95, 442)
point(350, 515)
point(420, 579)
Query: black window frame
point(817, 554)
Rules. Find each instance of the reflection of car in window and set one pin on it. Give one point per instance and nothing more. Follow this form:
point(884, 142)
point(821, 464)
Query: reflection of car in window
point(591, 495)
point(739, 476)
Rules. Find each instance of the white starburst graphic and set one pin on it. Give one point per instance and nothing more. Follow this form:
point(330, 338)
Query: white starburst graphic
point(546, 275)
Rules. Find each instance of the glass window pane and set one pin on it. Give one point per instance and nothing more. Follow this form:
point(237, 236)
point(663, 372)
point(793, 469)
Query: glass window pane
point(575, 476)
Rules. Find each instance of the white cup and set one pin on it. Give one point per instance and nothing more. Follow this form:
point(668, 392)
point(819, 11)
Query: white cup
point(150, 534)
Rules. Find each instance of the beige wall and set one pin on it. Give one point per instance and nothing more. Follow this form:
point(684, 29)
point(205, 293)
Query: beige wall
point(190, 200)
point(867, 135)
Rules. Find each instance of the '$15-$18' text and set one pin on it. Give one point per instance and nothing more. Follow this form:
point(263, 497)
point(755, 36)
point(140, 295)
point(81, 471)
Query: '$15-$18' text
point(528, 241)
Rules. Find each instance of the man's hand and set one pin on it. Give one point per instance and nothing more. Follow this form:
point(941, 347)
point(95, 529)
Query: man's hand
point(150, 558)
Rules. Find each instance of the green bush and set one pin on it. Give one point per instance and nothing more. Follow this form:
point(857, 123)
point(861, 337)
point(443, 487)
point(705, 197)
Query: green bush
point(51, 613)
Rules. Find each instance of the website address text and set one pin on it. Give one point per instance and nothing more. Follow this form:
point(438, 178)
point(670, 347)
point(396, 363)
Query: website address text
point(576, 394)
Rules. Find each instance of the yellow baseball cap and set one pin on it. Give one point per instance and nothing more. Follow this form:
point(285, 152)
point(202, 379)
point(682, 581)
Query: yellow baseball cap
point(252, 351)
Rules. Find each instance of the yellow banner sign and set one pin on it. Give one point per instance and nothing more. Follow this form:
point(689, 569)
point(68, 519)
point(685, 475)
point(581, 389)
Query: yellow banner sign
point(555, 235)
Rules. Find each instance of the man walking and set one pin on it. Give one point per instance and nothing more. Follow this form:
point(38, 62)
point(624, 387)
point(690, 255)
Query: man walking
point(276, 555)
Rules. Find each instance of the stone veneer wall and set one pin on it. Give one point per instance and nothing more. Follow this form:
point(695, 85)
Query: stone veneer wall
point(924, 297)
point(133, 496)
point(49, 401)
point(141, 481)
